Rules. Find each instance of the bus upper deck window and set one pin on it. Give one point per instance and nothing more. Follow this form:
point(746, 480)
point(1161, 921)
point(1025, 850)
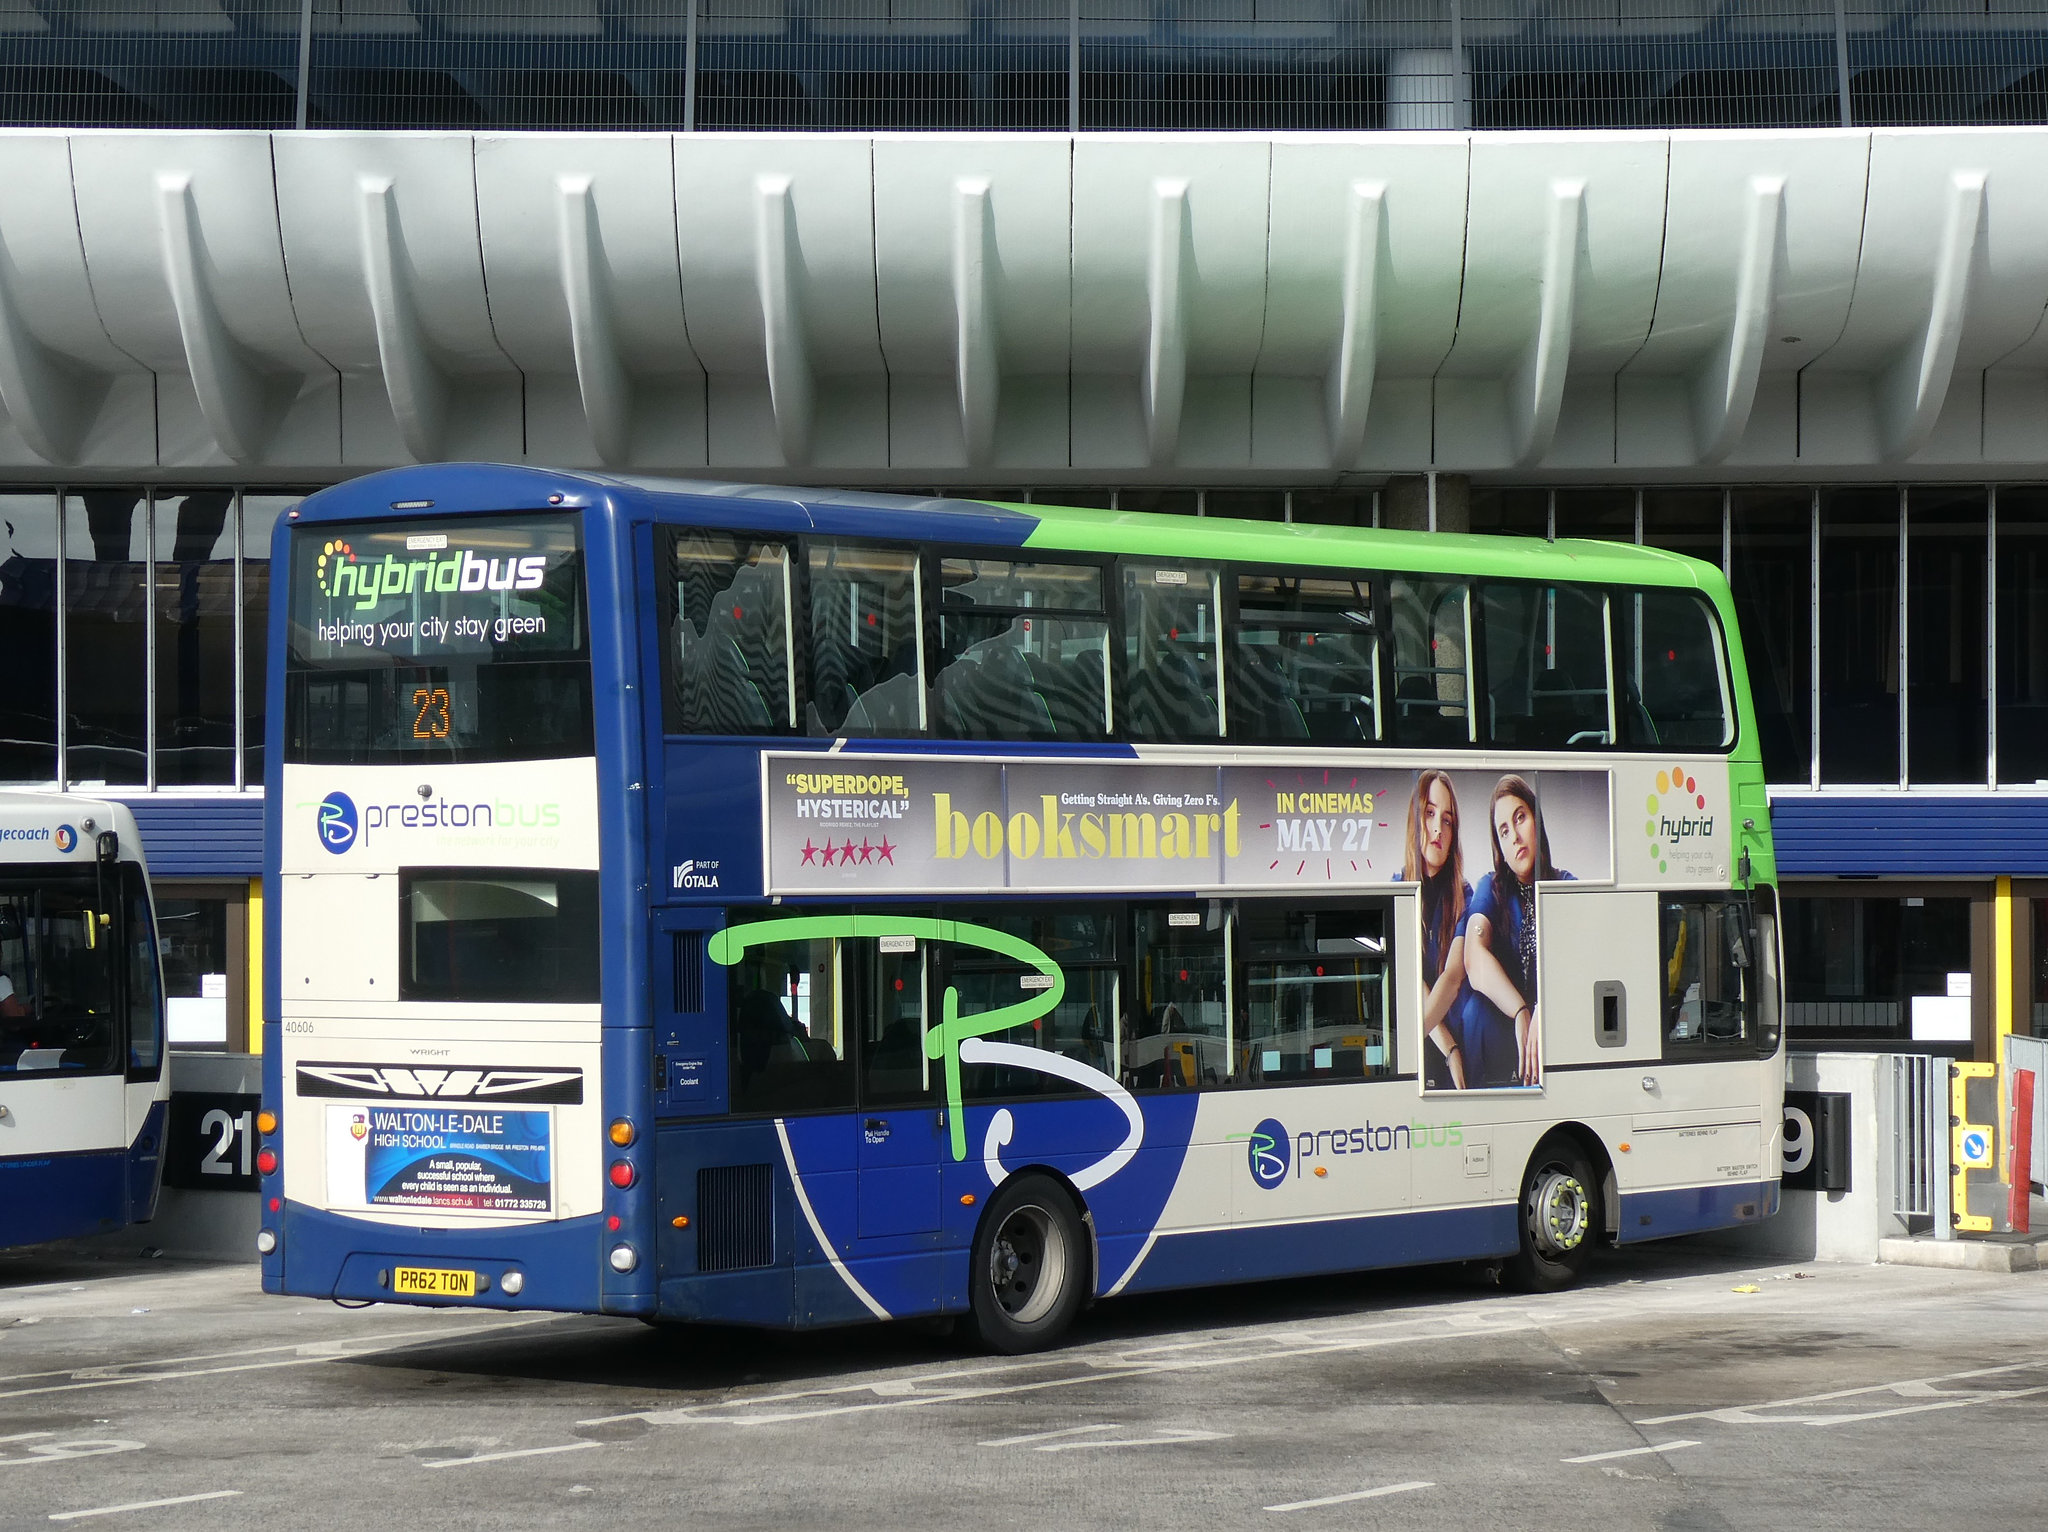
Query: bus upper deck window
point(1304, 654)
point(867, 641)
point(1546, 666)
point(1675, 691)
point(1432, 621)
point(1172, 652)
point(728, 646)
point(1023, 651)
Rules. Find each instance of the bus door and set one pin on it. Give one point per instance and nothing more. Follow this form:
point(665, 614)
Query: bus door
point(902, 1124)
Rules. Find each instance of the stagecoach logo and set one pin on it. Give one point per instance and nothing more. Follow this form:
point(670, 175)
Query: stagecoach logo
point(1268, 1153)
point(337, 823)
point(67, 838)
point(394, 1081)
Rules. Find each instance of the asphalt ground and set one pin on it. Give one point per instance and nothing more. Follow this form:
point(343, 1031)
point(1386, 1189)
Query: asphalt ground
point(1675, 1390)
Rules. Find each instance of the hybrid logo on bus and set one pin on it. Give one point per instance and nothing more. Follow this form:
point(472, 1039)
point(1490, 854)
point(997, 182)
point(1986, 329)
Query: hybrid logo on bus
point(341, 827)
point(443, 571)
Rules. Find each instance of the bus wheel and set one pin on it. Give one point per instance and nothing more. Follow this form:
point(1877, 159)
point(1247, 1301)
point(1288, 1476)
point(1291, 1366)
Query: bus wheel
point(1558, 1216)
point(1028, 1267)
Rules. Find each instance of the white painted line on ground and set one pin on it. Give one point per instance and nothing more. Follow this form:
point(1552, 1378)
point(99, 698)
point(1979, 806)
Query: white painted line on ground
point(326, 1352)
point(1166, 1438)
point(144, 1505)
point(1904, 1388)
point(1357, 1494)
point(26, 1436)
point(1044, 1436)
point(499, 1457)
point(1628, 1452)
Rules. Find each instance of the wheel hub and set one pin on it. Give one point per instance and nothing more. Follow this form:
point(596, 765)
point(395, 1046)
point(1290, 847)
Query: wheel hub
point(1560, 1212)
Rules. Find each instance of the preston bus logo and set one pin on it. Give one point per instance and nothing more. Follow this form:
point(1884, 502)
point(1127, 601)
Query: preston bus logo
point(337, 823)
point(1267, 1153)
point(67, 838)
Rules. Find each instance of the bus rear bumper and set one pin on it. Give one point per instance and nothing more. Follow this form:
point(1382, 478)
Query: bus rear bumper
point(329, 1255)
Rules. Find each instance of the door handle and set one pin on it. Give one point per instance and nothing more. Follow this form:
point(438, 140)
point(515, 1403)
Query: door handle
point(876, 1127)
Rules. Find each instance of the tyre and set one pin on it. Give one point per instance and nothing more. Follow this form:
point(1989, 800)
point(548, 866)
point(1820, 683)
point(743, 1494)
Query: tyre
point(1029, 1266)
point(1558, 1216)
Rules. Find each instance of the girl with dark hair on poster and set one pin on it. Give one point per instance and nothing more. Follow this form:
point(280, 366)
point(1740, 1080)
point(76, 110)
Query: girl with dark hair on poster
point(1501, 1040)
point(1432, 859)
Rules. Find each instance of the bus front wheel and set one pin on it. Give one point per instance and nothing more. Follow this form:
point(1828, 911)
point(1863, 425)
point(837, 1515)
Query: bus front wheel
point(1029, 1265)
point(1558, 1215)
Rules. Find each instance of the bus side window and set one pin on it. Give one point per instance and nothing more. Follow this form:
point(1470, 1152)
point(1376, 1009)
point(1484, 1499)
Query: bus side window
point(1178, 1035)
point(867, 641)
point(1708, 989)
point(1315, 994)
point(1304, 660)
point(1172, 653)
point(1085, 941)
point(1023, 651)
point(1432, 661)
point(1546, 666)
point(892, 1021)
point(788, 1028)
point(1675, 690)
point(728, 646)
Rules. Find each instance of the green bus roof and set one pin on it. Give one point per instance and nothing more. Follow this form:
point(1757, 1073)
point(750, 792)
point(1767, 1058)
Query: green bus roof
point(1082, 529)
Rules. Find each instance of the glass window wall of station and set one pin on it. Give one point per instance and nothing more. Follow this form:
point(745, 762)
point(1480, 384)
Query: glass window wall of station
point(133, 620)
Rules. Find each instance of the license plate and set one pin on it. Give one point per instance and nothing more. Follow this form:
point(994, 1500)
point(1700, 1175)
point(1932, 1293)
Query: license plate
point(433, 1282)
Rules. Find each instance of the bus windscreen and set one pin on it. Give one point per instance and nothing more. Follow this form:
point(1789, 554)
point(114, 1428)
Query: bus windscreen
point(449, 640)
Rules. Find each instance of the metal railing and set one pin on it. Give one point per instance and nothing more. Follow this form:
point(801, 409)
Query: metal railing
point(1919, 1140)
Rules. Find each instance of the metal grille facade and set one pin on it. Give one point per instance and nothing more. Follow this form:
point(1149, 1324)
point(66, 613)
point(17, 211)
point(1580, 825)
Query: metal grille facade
point(1152, 65)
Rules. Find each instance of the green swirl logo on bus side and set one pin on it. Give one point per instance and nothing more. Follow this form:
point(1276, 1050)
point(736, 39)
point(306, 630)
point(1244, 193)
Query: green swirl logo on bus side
point(941, 1043)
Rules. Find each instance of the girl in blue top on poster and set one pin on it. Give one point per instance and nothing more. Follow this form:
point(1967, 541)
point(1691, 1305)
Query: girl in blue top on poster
point(1432, 859)
point(1498, 1031)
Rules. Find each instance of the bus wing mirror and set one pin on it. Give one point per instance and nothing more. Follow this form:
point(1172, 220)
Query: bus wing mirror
point(107, 846)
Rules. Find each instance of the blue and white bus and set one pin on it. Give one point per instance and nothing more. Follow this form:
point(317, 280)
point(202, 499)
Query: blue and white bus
point(704, 902)
point(83, 1089)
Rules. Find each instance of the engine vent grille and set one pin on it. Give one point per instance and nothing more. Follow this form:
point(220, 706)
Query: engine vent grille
point(689, 972)
point(735, 1217)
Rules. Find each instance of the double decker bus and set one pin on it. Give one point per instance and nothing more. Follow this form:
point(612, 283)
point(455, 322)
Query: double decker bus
point(83, 1088)
point(794, 908)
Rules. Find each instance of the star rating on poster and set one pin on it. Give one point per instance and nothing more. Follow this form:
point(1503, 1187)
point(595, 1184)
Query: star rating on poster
point(847, 854)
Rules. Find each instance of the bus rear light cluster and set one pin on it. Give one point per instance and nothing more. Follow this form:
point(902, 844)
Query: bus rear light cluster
point(512, 1283)
point(266, 1161)
point(266, 1122)
point(624, 1259)
point(622, 1133)
point(266, 1241)
point(621, 1174)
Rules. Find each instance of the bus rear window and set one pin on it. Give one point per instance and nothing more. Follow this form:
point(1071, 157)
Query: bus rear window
point(456, 639)
point(498, 936)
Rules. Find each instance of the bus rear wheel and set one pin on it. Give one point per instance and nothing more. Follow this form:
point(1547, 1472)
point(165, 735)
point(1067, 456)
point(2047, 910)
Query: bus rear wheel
point(1029, 1266)
point(1558, 1216)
